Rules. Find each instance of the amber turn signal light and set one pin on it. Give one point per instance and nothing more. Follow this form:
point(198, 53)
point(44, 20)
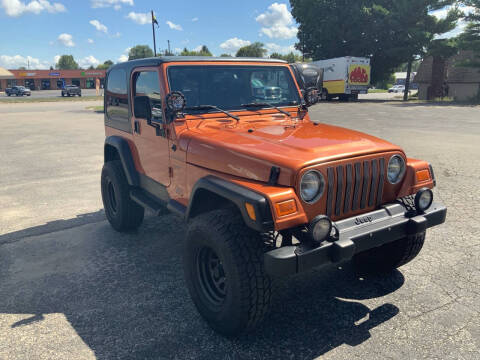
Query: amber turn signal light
point(286, 207)
point(251, 211)
point(423, 175)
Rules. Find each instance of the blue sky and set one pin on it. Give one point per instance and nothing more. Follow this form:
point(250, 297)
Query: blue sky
point(96, 30)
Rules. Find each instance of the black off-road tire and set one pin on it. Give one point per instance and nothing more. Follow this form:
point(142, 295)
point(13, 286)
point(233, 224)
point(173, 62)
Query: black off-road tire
point(390, 256)
point(122, 212)
point(244, 300)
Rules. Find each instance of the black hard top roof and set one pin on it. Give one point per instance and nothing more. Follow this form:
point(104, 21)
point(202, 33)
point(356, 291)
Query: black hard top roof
point(155, 61)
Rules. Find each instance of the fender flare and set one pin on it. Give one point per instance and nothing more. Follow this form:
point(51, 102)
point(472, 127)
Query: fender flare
point(238, 195)
point(123, 149)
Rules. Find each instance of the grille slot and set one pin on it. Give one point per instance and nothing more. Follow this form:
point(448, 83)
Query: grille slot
point(355, 186)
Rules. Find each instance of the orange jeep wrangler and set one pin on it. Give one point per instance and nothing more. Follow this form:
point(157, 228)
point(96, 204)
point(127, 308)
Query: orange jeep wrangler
point(228, 145)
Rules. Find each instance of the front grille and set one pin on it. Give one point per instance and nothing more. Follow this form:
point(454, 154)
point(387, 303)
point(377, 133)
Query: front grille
point(355, 186)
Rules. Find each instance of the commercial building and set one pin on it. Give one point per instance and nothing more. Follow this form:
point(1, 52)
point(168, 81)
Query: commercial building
point(51, 79)
point(438, 77)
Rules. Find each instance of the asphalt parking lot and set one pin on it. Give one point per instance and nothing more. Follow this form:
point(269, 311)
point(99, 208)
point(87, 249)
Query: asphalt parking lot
point(72, 288)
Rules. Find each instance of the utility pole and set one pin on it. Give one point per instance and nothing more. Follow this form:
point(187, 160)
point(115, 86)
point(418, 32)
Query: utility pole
point(169, 53)
point(407, 80)
point(303, 47)
point(154, 20)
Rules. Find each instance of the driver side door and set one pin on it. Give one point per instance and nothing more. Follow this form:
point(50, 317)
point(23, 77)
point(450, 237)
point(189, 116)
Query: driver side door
point(153, 149)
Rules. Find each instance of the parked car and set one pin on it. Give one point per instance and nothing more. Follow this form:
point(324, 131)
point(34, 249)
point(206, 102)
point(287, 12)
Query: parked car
point(264, 190)
point(397, 89)
point(71, 90)
point(18, 91)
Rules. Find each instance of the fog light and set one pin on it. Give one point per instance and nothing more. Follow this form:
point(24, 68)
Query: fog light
point(423, 199)
point(320, 228)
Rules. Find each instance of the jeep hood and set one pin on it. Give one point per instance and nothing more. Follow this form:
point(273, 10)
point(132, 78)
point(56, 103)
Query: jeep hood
point(250, 148)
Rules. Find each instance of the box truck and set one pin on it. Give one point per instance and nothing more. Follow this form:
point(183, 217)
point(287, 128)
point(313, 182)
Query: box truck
point(345, 77)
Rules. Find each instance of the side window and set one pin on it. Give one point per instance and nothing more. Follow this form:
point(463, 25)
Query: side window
point(116, 96)
point(147, 84)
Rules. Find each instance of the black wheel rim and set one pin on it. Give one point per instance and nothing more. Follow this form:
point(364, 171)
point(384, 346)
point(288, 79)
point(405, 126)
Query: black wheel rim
point(211, 276)
point(112, 201)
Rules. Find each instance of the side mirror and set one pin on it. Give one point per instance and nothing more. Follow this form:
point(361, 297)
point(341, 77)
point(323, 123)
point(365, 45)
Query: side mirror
point(311, 96)
point(142, 108)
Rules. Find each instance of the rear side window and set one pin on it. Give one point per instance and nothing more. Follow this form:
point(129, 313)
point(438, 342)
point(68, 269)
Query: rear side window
point(116, 96)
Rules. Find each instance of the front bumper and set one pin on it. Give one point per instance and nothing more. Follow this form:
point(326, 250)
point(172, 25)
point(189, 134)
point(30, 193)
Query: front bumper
point(355, 235)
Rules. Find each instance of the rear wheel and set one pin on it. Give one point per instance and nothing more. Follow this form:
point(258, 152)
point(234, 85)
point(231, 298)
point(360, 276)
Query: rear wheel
point(122, 212)
point(223, 263)
point(392, 255)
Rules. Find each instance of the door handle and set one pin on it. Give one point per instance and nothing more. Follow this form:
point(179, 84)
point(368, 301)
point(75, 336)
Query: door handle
point(136, 126)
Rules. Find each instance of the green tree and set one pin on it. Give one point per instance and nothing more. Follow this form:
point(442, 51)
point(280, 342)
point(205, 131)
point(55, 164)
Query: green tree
point(253, 50)
point(290, 57)
point(389, 32)
point(225, 55)
point(470, 38)
point(105, 65)
point(140, 52)
point(22, 68)
point(204, 51)
point(66, 62)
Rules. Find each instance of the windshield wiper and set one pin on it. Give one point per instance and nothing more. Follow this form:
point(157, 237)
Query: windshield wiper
point(261, 105)
point(213, 107)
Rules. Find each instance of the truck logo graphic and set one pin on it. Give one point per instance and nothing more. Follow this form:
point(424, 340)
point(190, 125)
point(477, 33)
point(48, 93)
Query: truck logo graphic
point(359, 74)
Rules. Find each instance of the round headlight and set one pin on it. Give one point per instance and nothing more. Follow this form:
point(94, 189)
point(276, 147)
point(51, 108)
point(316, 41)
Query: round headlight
point(396, 169)
point(311, 186)
point(320, 228)
point(423, 199)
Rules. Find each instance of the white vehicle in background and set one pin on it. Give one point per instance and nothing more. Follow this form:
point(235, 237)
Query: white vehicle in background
point(345, 77)
point(397, 89)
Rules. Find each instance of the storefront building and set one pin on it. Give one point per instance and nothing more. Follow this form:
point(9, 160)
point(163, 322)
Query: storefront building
point(53, 79)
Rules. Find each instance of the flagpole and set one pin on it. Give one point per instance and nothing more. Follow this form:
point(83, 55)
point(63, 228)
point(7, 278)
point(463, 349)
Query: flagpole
point(153, 31)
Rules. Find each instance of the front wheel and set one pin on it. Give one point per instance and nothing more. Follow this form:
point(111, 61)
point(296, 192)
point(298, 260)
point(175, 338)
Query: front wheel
point(392, 255)
point(122, 212)
point(224, 272)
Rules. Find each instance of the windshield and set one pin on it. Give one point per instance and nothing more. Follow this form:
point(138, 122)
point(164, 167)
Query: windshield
point(228, 86)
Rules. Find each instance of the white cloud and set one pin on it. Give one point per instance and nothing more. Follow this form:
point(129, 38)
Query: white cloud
point(272, 47)
point(88, 61)
point(198, 48)
point(116, 4)
point(56, 58)
point(277, 22)
point(99, 26)
point(124, 56)
point(195, 19)
point(90, 41)
point(232, 45)
point(18, 7)
point(116, 35)
point(16, 61)
point(173, 26)
point(140, 18)
point(66, 40)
